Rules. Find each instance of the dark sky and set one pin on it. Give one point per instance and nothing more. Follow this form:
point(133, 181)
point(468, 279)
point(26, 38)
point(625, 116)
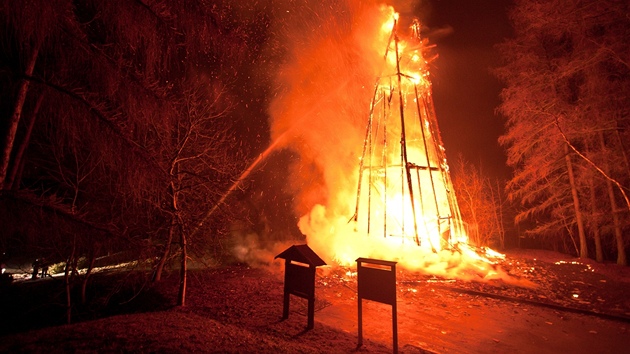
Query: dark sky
point(465, 92)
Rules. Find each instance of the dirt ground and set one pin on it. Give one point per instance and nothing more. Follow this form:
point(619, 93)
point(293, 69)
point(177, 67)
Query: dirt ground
point(577, 307)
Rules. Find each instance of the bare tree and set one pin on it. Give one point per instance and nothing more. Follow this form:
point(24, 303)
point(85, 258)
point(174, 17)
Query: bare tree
point(481, 204)
point(195, 149)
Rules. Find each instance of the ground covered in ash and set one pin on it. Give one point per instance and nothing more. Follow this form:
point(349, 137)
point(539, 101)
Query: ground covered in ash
point(576, 306)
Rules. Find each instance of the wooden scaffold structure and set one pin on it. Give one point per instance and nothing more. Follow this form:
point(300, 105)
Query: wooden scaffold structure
point(404, 188)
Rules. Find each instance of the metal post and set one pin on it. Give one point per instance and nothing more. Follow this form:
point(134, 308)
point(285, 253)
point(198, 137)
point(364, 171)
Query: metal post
point(360, 302)
point(395, 326)
point(287, 293)
point(311, 302)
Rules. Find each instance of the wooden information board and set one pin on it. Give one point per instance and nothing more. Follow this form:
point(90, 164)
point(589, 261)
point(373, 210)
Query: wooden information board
point(377, 282)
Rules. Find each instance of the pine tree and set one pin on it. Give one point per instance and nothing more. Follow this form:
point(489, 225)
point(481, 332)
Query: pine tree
point(567, 85)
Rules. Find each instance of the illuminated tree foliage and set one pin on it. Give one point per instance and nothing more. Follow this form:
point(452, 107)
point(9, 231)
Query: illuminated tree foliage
point(567, 105)
point(482, 204)
point(119, 123)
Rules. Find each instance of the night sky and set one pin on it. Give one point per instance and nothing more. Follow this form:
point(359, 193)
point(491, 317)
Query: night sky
point(465, 92)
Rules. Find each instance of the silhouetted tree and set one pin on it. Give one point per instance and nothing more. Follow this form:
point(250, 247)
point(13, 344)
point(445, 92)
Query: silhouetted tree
point(130, 129)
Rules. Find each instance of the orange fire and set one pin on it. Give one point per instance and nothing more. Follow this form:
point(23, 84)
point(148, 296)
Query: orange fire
point(407, 192)
point(386, 191)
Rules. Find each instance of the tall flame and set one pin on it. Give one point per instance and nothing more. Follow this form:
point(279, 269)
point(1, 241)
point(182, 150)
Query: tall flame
point(353, 188)
point(407, 188)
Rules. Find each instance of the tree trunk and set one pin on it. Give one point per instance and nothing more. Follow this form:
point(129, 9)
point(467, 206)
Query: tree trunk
point(181, 298)
point(474, 225)
point(564, 241)
point(66, 278)
point(15, 117)
point(621, 188)
point(179, 222)
point(621, 251)
point(499, 213)
point(167, 250)
point(622, 147)
point(599, 253)
point(88, 272)
point(18, 162)
point(17, 181)
point(576, 205)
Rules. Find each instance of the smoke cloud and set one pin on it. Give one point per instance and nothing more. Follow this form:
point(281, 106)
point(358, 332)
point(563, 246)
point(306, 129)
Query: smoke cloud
point(325, 86)
point(329, 56)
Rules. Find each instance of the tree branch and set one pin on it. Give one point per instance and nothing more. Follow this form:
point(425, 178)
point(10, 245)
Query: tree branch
point(103, 118)
point(590, 162)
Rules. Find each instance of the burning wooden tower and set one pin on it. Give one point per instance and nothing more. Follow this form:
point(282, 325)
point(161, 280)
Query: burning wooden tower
point(405, 190)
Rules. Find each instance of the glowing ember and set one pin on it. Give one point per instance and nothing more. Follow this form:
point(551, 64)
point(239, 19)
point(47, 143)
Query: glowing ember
point(588, 266)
